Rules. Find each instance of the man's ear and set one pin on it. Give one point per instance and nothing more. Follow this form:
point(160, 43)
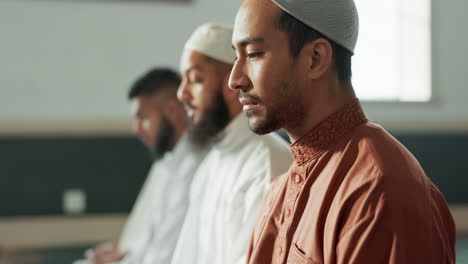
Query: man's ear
point(318, 57)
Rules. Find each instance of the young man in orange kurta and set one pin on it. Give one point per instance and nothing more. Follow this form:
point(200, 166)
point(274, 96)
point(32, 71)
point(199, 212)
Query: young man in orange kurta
point(354, 194)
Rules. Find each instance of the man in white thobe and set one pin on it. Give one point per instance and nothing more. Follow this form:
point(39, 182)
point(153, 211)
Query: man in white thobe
point(152, 229)
point(162, 208)
point(229, 185)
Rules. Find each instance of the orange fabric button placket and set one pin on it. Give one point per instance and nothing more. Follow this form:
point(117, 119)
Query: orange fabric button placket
point(297, 182)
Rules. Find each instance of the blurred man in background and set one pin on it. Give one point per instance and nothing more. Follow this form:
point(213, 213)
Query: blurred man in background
point(155, 222)
point(231, 181)
point(354, 194)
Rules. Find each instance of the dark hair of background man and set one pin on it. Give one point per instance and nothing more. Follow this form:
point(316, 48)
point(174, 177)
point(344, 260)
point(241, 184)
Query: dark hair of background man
point(155, 81)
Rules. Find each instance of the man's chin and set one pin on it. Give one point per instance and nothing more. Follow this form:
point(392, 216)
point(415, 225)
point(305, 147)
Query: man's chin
point(194, 120)
point(261, 127)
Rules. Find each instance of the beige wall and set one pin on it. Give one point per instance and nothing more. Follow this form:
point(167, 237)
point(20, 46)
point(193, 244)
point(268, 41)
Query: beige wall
point(448, 110)
point(64, 61)
point(50, 231)
point(75, 59)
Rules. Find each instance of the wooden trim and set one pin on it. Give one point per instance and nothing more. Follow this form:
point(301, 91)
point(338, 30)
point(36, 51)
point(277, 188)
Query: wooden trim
point(460, 214)
point(58, 231)
point(62, 127)
point(407, 126)
point(123, 127)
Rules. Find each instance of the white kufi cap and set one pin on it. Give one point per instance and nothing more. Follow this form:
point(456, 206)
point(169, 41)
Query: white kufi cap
point(214, 41)
point(336, 19)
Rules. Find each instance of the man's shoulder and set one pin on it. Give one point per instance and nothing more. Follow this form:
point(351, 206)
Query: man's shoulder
point(381, 161)
point(382, 151)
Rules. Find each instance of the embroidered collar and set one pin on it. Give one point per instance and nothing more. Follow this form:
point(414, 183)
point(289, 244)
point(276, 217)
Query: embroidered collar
point(327, 132)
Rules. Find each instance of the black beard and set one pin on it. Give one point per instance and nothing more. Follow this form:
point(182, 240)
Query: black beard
point(164, 142)
point(212, 122)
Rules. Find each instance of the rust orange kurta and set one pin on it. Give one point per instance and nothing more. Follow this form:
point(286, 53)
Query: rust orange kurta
point(354, 194)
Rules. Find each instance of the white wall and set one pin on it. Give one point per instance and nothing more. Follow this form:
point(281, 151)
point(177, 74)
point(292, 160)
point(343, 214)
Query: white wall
point(72, 60)
point(63, 62)
point(449, 108)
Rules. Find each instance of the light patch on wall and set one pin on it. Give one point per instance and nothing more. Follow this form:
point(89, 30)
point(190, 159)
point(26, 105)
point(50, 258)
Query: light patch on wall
point(393, 53)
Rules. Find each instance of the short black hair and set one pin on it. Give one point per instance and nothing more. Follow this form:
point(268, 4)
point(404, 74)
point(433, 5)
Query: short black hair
point(154, 81)
point(299, 34)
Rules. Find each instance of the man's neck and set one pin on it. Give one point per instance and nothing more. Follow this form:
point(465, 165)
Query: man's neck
point(337, 96)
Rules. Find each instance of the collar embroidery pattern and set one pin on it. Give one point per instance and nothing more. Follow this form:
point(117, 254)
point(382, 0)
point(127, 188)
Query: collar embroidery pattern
point(327, 132)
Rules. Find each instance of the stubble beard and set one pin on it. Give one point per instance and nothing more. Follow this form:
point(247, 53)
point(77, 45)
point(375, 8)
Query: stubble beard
point(286, 111)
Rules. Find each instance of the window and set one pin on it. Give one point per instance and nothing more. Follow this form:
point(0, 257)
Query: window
point(393, 53)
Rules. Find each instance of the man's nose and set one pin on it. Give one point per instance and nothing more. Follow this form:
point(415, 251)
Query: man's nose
point(183, 92)
point(238, 79)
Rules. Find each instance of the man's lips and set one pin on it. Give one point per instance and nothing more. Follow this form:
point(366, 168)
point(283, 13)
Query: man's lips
point(190, 109)
point(249, 103)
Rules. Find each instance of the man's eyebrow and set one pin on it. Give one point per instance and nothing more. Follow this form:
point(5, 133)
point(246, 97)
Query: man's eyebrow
point(249, 40)
point(193, 68)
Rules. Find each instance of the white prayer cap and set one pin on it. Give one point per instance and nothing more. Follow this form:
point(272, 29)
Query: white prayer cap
point(214, 41)
point(336, 19)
